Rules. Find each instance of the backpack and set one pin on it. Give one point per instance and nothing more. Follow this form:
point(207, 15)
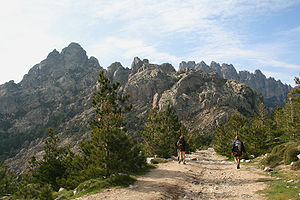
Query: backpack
point(180, 144)
point(237, 146)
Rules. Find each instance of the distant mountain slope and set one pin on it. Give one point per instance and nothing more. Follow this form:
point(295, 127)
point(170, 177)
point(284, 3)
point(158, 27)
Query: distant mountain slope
point(52, 93)
point(57, 93)
point(274, 92)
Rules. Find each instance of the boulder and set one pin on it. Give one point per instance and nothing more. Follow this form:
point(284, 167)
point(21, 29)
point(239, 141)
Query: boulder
point(268, 169)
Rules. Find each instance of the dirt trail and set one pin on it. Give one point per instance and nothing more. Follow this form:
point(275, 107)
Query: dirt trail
point(205, 176)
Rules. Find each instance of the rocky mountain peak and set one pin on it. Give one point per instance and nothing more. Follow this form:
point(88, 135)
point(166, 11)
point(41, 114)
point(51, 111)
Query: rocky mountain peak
point(115, 66)
point(58, 65)
point(214, 64)
point(258, 73)
point(167, 68)
point(257, 80)
point(202, 63)
point(53, 55)
point(8, 88)
point(229, 72)
point(187, 65)
point(74, 53)
point(117, 73)
point(136, 64)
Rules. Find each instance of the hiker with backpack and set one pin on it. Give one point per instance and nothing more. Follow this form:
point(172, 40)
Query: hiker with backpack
point(237, 150)
point(181, 144)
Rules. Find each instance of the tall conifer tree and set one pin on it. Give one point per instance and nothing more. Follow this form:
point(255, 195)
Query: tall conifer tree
point(109, 146)
point(161, 132)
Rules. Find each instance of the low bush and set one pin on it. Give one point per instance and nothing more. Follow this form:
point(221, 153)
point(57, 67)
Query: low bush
point(284, 152)
point(96, 185)
point(26, 190)
point(93, 184)
point(46, 193)
point(296, 165)
point(279, 149)
point(272, 160)
point(121, 180)
point(158, 160)
point(290, 155)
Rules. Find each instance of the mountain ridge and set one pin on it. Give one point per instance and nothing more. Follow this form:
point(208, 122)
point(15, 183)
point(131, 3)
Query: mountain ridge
point(57, 93)
point(274, 92)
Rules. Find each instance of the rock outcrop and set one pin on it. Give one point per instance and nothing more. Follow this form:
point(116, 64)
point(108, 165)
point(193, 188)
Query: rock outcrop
point(201, 100)
point(274, 92)
point(205, 100)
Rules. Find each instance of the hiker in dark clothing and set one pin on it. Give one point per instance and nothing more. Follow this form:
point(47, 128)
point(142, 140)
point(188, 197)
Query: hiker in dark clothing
point(181, 144)
point(237, 150)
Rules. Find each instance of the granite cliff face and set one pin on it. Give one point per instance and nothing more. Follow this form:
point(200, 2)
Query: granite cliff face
point(201, 100)
point(274, 92)
point(57, 92)
point(205, 100)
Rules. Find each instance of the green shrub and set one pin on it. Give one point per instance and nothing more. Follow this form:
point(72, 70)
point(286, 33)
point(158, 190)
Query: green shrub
point(296, 165)
point(284, 152)
point(158, 160)
point(46, 193)
point(272, 160)
point(279, 149)
point(94, 185)
point(290, 155)
point(121, 180)
point(7, 182)
point(27, 191)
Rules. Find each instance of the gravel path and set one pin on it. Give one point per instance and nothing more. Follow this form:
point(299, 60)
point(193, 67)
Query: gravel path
point(205, 176)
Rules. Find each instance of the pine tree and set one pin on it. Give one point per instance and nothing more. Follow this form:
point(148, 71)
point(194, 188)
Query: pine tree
point(7, 182)
point(109, 147)
point(258, 135)
point(54, 164)
point(225, 134)
point(161, 132)
point(292, 126)
point(222, 140)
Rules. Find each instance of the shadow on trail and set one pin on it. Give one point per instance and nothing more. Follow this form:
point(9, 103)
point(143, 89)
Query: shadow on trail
point(168, 190)
point(159, 182)
point(163, 174)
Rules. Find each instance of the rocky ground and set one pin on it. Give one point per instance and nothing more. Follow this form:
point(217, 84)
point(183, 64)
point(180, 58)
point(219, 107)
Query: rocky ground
point(205, 176)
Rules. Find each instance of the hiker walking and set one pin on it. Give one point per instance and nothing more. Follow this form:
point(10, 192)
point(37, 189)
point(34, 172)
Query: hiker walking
point(181, 149)
point(237, 150)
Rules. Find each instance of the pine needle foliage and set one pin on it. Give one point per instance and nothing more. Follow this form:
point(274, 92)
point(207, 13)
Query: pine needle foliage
point(54, 164)
point(225, 133)
point(161, 132)
point(7, 181)
point(109, 147)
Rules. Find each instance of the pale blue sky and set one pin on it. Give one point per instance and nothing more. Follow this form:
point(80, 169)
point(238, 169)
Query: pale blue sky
point(251, 35)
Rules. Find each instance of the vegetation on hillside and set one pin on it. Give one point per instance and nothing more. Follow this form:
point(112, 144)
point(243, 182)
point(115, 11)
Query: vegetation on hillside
point(276, 133)
point(161, 132)
point(109, 156)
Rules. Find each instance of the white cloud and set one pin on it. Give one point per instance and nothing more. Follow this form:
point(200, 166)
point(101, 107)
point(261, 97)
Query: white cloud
point(162, 31)
point(24, 39)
